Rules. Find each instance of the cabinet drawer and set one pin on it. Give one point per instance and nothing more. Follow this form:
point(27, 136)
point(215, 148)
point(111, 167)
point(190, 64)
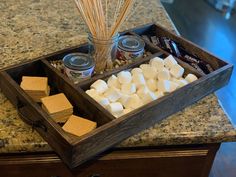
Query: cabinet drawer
point(181, 161)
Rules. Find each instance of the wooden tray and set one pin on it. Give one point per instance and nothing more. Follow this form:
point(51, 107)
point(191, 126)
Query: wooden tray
point(76, 150)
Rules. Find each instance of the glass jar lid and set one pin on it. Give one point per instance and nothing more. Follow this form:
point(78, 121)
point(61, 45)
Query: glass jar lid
point(78, 61)
point(131, 43)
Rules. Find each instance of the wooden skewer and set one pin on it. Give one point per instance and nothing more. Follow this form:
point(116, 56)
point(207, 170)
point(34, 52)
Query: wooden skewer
point(96, 18)
point(124, 12)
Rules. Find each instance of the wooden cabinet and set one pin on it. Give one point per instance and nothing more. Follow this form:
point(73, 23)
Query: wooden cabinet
point(172, 161)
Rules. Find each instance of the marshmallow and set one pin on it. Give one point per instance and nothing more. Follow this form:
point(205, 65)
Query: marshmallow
point(166, 86)
point(102, 100)
point(129, 88)
point(146, 95)
point(170, 61)
point(158, 63)
point(115, 108)
point(163, 75)
point(112, 94)
point(173, 86)
point(100, 86)
point(139, 80)
point(149, 97)
point(124, 77)
point(142, 91)
point(92, 92)
point(136, 71)
point(149, 72)
point(182, 82)
point(159, 94)
point(113, 82)
point(143, 66)
point(125, 111)
point(190, 78)
point(152, 84)
point(177, 71)
point(134, 102)
point(123, 99)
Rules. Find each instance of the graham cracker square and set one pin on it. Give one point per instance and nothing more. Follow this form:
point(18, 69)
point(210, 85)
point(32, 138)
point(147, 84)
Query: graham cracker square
point(56, 103)
point(30, 83)
point(79, 126)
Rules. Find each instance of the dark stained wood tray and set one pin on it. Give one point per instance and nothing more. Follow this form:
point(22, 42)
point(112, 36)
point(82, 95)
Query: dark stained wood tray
point(76, 150)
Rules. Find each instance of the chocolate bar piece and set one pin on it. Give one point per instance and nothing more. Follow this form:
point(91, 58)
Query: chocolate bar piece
point(209, 68)
point(145, 37)
point(168, 45)
point(206, 67)
point(154, 40)
point(175, 49)
point(162, 43)
point(191, 59)
point(165, 44)
point(195, 65)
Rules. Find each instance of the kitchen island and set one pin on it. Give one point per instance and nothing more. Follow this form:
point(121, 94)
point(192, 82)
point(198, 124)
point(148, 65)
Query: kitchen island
point(189, 138)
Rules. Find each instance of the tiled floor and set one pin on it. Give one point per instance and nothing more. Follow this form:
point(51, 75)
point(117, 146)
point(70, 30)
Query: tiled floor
point(199, 22)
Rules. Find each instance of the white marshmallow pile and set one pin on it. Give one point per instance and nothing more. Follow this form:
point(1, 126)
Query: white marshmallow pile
point(130, 90)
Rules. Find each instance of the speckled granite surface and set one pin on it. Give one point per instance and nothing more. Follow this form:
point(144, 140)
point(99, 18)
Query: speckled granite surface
point(31, 28)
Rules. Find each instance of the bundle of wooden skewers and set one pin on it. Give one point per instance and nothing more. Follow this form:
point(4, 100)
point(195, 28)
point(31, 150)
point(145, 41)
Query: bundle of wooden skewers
point(104, 19)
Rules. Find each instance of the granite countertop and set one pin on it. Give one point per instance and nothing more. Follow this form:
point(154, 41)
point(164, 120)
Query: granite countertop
point(31, 28)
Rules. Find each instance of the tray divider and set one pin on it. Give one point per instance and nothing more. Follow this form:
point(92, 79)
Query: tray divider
point(115, 71)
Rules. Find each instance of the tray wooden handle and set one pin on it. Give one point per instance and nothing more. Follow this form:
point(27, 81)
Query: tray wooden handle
point(21, 107)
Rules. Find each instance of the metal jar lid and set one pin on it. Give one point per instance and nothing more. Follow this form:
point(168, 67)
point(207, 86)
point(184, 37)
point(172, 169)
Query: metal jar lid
point(78, 61)
point(131, 43)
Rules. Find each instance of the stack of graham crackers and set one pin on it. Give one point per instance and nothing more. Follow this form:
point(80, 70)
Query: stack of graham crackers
point(58, 107)
point(36, 87)
point(61, 110)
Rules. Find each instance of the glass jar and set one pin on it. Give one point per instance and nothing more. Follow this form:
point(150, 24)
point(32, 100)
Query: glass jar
point(130, 47)
point(103, 51)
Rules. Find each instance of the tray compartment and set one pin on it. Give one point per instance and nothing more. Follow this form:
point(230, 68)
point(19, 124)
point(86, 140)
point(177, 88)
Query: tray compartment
point(222, 76)
point(57, 85)
point(180, 62)
point(32, 113)
point(156, 30)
